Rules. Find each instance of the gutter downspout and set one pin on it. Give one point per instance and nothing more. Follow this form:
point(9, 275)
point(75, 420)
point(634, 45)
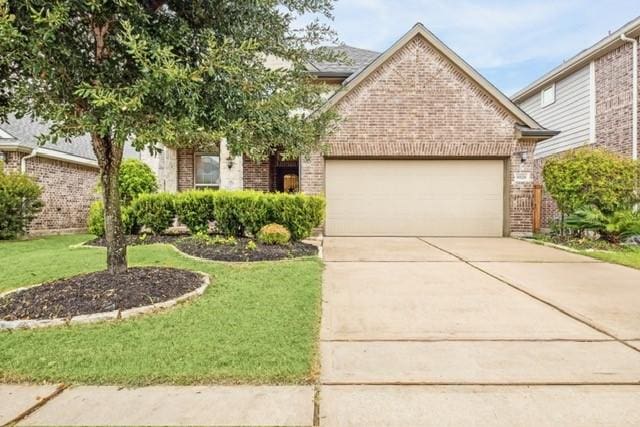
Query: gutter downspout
point(23, 161)
point(634, 147)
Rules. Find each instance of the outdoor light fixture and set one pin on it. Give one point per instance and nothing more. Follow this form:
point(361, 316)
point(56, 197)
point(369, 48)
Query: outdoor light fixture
point(523, 156)
point(229, 162)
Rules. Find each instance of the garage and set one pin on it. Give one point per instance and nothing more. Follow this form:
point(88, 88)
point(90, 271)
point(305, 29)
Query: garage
point(414, 197)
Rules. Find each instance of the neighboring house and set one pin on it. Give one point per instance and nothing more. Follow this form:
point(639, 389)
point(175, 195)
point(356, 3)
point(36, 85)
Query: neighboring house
point(591, 98)
point(426, 146)
point(66, 171)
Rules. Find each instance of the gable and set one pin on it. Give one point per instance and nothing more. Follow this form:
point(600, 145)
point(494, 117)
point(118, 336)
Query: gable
point(419, 102)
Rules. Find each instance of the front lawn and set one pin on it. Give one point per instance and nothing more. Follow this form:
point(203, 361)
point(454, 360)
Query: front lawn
point(599, 249)
point(256, 323)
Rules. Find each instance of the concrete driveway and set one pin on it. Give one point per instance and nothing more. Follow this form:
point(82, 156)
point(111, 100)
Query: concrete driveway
point(476, 331)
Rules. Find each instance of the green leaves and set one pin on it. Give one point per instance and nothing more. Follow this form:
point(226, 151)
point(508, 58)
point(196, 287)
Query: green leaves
point(591, 178)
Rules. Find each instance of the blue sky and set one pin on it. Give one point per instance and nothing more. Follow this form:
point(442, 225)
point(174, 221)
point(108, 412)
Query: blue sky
point(510, 42)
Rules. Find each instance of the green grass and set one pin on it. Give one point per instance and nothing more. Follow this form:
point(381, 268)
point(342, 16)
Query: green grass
point(629, 256)
point(256, 323)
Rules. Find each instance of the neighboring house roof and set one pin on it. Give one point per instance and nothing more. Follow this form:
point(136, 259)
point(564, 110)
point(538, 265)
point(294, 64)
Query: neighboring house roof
point(421, 30)
point(607, 44)
point(356, 59)
point(23, 134)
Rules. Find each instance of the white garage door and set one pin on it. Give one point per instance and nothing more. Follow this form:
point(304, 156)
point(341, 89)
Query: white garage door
point(414, 197)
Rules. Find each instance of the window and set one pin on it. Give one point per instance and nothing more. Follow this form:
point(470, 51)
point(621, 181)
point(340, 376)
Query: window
point(548, 95)
point(207, 168)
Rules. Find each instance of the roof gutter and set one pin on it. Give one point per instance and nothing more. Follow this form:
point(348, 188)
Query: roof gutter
point(634, 125)
point(23, 161)
point(539, 134)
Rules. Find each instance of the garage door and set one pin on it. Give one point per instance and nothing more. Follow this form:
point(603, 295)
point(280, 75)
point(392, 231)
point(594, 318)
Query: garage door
point(414, 197)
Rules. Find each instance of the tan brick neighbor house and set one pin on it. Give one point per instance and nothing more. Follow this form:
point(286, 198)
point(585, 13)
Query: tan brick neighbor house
point(591, 98)
point(66, 171)
point(425, 146)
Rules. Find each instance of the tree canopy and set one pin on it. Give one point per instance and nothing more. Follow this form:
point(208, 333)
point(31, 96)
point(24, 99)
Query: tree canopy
point(172, 72)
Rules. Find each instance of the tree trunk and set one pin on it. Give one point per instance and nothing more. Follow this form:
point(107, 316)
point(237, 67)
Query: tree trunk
point(109, 157)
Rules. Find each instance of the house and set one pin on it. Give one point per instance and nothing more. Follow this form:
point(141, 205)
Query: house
point(591, 98)
point(66, 171)
point(426, 146)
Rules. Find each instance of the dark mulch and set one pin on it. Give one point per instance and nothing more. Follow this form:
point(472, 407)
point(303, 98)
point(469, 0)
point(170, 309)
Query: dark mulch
point(98, 292)
point(220, 252)
point(239, 251)
point(142, 239)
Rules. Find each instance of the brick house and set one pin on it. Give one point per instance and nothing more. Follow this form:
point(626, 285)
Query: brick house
point(66, 171)
point(426, 146)
point(591, 98)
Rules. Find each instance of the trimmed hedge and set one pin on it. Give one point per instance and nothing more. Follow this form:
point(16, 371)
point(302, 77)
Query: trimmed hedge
point(95, 222)
point(235, 213)
point(154, 211)
point(196, 209)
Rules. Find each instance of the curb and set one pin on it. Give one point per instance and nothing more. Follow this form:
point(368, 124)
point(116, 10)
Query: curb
point(101, 317)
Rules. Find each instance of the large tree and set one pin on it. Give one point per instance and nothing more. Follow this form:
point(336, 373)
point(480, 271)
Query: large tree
point(183, 73)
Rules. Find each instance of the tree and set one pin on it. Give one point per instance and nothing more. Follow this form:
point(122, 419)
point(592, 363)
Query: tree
point(181, 73)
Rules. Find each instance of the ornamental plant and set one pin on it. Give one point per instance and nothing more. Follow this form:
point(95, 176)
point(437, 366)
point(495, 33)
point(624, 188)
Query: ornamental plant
point(134, 178)
point(591, 178)
point(181, 73)
point(19, 203)
point(274, 234)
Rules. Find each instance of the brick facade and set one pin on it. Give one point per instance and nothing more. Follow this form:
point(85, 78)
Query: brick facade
point(418, 104)
point(257, 175)
point(613, 115)
point(67, 191)
point(614, 96)
point(185, 169)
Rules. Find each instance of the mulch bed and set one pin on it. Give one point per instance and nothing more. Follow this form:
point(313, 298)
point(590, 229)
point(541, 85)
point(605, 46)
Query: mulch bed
point(221, 252)
point(239, 252)
point(98, 293)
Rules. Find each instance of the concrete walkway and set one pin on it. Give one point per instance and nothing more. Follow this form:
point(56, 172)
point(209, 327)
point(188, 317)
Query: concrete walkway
point(492, 332)
point(420, 331)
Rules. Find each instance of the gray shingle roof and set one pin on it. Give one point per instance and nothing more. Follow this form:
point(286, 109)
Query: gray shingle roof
point(358, 59)
point(26, 131)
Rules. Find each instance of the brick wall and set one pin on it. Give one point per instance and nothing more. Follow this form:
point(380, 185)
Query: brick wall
point(12, 160)
point(419, 104)
point(256, 175)
point(185, 169)
point(614, 92)
point(550, 212)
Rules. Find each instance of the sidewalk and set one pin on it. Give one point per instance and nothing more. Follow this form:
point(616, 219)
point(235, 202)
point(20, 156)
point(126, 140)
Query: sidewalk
point(26, 405)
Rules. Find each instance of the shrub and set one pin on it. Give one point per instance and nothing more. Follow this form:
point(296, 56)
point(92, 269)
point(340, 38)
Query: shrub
point(95, 222)
point(239, 213)
point(591, 177)
point(610, 227)
point(154, 211)
point(274, 234)
point(135, 178)
point(299, 213)
point(19, 203)
point(195, 209)
point(251, 246)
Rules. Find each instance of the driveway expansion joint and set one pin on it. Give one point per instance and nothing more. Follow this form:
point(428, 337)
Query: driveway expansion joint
point(42, 402)
point(561, 310)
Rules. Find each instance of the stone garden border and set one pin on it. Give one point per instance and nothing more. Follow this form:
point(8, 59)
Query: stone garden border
point(101, 317)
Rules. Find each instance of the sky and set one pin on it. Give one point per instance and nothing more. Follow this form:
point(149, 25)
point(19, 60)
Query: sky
point(511, 43)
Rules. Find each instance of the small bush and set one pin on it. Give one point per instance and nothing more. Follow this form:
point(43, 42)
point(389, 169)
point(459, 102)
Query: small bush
point(591, 178)
point(274, 234)
point(95, 222)
point(299, 213)
point(154, 211)
point(221, 240)
point(227, 215)
point(135, 178)
point(251, 246)
point(196, 209)
point(19, 203)
point(610, 227)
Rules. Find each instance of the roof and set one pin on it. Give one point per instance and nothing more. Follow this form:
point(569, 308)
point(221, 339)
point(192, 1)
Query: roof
point(356, 60)
point(607, 44)
point(420, 30)
point(24, 132)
